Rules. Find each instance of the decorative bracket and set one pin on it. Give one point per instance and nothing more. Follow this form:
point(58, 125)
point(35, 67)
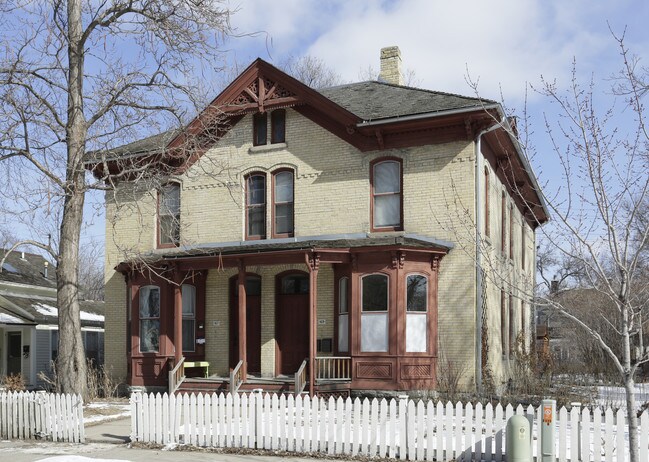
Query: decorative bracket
point(434, 263)
point(398, 259)
point(313, 261)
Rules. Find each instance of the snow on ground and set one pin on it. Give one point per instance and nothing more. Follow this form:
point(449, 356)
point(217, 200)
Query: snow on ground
point(102, 411)
point(71, 458)
point(616, 396)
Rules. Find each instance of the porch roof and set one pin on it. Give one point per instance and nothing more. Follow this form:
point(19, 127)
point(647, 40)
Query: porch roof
point(270, 249)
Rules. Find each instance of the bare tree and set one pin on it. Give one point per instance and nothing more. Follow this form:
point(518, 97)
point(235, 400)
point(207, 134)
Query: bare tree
point(311, 71)
point(78, 77)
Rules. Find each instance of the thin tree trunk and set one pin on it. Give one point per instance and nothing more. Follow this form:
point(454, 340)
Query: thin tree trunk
point(629, 386)
point(71, 360)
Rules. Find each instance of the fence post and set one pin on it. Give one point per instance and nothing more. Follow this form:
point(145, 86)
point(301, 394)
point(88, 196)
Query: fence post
point(403, 422)
point(257, 398)
point(136, 408)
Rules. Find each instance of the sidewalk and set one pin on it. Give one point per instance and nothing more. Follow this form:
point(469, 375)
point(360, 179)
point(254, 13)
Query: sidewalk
point(112, 432)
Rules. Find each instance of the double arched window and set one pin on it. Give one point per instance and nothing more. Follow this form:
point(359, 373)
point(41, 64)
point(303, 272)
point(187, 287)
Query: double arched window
point(282, 210)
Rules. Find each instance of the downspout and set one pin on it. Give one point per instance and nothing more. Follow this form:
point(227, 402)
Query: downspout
point(478, 257)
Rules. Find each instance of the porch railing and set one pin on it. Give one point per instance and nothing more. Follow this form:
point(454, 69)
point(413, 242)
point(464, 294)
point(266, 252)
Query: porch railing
point(300, 377)
point(236, 377)
point(177, 375)
point(333, 368)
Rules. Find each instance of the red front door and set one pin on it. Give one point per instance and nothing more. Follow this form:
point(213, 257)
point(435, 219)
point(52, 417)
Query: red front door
point(253, 323)
point(292, 321)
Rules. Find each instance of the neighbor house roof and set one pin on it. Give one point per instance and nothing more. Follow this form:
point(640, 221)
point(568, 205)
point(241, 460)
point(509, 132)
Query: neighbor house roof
point(27, 268)
point(26, 309)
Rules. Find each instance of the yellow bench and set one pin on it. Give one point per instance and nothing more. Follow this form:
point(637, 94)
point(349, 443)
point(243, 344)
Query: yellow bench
point(203, 364)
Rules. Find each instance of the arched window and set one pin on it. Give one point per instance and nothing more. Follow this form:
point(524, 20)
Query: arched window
point(416, 313)
point(387, 194)
point(256, 206)
point(374, 313)
point(283, 203)
point(343, 315)
point(189, 317)
point(149, 319)
point(169, 215)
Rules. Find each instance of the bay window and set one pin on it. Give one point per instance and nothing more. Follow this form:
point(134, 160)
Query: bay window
point(343, 315)
point(416, 313)
point(149, 319)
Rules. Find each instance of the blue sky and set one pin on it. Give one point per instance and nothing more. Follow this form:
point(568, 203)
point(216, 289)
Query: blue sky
point(507, 45)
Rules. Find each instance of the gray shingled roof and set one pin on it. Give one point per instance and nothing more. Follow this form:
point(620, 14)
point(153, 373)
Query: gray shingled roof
point(149, 144)
point(27, 270)
point(374, 100)
point(25, 309)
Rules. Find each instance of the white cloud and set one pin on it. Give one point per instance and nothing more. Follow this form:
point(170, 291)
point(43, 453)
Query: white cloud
point(504, 43)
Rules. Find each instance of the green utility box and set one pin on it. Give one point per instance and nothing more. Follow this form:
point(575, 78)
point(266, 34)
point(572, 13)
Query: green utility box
point(519, 439)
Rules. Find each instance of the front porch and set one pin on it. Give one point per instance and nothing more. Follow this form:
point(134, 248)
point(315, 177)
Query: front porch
point(300, 316)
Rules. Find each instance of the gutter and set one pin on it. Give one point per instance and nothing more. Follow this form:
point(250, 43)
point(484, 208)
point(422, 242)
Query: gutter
point(478, 259)
point(427, 115)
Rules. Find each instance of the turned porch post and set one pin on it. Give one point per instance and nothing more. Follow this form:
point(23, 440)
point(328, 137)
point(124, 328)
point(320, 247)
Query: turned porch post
point(241, 286)
point(313, 261)
point(178, 317)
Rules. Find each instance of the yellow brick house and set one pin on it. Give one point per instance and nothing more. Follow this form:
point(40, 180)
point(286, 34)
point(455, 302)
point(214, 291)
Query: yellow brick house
point(320, 240)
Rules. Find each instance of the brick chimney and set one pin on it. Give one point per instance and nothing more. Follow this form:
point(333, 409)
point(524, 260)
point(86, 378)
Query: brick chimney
point(391, 66)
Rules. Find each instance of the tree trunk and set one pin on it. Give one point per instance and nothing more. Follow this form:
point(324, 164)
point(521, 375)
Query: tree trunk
point(71, 360)
point(629, 387)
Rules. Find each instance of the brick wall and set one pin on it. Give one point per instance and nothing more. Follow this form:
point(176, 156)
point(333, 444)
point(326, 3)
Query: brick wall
point(332, 195)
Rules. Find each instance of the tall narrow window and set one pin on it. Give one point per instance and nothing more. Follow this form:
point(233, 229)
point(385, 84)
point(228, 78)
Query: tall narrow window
point(169, 215)
point(386, 195)
point(487, 217)
point(256, 206)
point(512, 324)
point(260, 123)
point(511, 231)
point(416, 313)
point(278, 126)
point(149, 319)
point(189, 317)
point(503, 323)
point(343, 315)
point(283, 204)
point(374, 313)
point(523, 327)
point(503, 223)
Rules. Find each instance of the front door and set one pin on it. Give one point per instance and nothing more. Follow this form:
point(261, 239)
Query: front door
point(292, 321)
point(14, 353)
point(253, 323)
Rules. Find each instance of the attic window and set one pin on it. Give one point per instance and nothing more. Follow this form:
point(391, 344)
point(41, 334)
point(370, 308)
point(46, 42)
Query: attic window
point(9, 268)
point(260, 124)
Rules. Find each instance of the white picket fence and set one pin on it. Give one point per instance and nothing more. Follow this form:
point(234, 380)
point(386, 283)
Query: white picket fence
point(402, 429)
point(55, 417)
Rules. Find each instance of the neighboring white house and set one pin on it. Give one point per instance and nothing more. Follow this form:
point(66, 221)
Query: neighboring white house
point(29, 318)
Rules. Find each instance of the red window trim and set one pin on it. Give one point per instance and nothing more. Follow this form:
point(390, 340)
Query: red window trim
point(375, 162)
point(273, 174)
point(273, 115)
point(253, 237)
point(159, 244)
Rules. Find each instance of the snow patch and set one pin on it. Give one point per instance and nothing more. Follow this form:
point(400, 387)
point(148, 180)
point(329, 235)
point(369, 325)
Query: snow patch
point(49, 310)
point(9, 319)
point(70, 458)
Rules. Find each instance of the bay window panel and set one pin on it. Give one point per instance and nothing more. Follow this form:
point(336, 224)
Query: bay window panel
point(375, 292)
point(149, 335)
point(374, 332)
point(416, 293)
point(416, 332)
point(149, 302)
point(387, 210)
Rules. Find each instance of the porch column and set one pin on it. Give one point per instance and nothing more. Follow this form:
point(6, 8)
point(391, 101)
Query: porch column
point(178, 318)
point(313, 262)
point(241, 286)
